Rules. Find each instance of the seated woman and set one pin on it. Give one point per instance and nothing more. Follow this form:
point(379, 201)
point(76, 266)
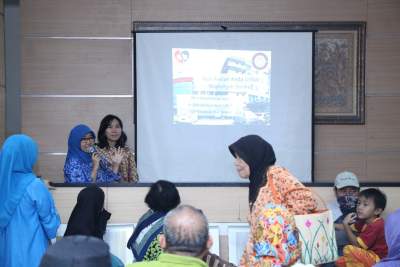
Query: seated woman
point(112, 141)
point(89, 218)
point(161, 198)
point(269, 184)
point(82, 166)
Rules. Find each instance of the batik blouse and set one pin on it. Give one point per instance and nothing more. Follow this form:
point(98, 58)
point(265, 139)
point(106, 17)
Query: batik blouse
point(76, 171)
point(127, 169)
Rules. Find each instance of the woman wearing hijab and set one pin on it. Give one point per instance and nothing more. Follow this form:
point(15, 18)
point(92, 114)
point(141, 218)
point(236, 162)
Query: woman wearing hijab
point(89, 218)
point(392, 236)
point(255, 159)
point(82, 164)
point(28, 217)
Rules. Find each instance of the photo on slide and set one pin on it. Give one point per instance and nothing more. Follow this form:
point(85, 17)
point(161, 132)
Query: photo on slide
point(221, 87)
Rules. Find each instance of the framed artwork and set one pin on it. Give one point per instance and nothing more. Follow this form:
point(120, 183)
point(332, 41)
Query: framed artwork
point(339, 82)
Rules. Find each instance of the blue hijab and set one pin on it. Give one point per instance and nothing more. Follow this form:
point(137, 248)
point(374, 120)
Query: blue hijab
point(74, 143)
point(17, 158)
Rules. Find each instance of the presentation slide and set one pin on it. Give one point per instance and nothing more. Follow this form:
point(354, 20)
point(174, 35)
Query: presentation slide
point(235, 89)
point(198, 92)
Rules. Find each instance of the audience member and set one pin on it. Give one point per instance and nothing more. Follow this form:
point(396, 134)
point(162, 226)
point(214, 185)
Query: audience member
point(392, 235)
point(161, 198)
point(255, 159)
point(89, 218)
point(185, 239)
point(77, 251)
point(368, 246)
point(82, 164)
point(346, 189)
point(28, 217)
point(112, 141)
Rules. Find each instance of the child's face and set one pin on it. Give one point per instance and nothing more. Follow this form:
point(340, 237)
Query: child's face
point(366, 208)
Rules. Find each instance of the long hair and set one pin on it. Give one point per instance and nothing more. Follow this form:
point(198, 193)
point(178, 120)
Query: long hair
point(101, 134)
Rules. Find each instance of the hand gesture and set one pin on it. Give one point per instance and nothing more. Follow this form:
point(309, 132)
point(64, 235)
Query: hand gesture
point(350, 218)
point(96, 160)
point(117, 156)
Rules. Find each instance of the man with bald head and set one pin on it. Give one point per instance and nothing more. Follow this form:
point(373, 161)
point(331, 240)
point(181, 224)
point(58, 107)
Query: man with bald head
point(185, 240)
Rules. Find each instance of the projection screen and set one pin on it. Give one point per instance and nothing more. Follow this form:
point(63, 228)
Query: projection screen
point(198, 92)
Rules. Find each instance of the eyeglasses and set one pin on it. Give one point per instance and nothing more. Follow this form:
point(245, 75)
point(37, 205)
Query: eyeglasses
point(87, 139)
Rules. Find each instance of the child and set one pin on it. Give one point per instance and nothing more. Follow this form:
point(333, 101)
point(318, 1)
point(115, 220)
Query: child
point(368, 245)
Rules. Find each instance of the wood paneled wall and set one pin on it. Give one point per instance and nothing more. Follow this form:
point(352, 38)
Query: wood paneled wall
point(77, 67)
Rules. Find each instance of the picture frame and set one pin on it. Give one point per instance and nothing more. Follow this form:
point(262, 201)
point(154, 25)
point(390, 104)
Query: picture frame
point(339, 74)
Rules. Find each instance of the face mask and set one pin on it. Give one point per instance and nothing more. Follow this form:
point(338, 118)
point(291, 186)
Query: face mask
point(347, 204)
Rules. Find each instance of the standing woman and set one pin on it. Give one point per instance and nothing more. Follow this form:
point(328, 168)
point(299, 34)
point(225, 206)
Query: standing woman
point(112, 140)
point(84, 166)
point(28, 217)
point(269, 184)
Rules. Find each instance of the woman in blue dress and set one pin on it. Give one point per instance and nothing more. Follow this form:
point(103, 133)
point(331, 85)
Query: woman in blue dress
point(83, 164)
point(28, 217)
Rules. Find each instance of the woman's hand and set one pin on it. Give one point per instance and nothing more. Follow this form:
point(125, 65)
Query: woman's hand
point(96, 164)
point(116, 158)
point(96, 160)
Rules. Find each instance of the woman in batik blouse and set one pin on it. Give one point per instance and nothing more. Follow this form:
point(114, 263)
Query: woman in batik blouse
point(112, 140)
point(83, 163)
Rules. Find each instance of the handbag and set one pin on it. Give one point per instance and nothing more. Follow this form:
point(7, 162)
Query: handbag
point(316, 231)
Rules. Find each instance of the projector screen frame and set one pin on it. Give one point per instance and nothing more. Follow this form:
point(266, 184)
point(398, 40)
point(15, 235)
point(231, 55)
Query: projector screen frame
point(193, 27)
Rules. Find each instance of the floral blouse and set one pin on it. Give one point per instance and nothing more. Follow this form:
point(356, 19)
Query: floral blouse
point(76, 171)
point(127, 169)
point(282, 188)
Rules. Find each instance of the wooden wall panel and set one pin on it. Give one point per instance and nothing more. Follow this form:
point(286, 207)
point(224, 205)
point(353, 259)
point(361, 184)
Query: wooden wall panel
point(127, 204)
point(250, 10)
point(50, 167)
point(64, 66)
point(49, 120)
point(328, 164)
point(335, 138)
point(382, 66)
point(76, 18)
point(383, 166)
point(383, 17)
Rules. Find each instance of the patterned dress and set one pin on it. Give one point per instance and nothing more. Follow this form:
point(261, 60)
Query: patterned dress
point(281, 188)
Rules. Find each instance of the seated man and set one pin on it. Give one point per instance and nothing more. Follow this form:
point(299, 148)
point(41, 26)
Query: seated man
point(185, 240)
point(346, 191)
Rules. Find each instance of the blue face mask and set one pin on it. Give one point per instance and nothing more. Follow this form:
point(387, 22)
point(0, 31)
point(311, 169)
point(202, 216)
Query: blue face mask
point(347, 204)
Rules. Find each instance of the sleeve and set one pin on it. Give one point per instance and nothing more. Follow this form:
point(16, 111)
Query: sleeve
point(75, 172)
point(297, 198)
point(132, 170)
point(368, 237)
point(48, 215)
point(106, 175)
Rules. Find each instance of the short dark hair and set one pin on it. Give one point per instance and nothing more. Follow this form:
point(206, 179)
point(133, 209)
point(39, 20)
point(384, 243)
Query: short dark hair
point(162, 196)
point(101, 134)
point(377, 196)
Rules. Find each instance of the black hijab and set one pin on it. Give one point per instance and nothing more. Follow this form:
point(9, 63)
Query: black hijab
point(88, 216)
point(259, 155)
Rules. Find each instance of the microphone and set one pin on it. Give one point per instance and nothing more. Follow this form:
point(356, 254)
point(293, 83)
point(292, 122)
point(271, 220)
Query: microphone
point(103, 160)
